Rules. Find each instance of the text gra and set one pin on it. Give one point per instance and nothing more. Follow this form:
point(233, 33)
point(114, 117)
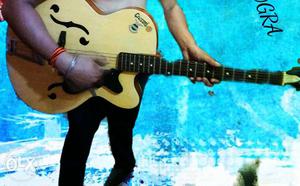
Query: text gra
point(268, 15)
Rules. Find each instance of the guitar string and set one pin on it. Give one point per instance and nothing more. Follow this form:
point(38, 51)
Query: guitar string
point(82, 52)
point(112, 56)
point(24, 47)
point(274, 77)
point(236, 72)
point(106, 56)
point(258, 77)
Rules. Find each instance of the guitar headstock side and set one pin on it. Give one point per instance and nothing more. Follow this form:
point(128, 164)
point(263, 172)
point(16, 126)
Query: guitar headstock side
point(292, 77)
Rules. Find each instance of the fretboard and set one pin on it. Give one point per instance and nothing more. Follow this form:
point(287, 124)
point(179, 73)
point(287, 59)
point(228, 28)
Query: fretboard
point(156, 65)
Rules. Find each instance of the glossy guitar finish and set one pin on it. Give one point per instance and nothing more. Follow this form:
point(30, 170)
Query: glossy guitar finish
point(87, 31)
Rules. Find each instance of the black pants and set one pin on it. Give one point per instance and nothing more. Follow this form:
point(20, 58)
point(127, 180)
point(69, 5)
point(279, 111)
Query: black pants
point(83, 123)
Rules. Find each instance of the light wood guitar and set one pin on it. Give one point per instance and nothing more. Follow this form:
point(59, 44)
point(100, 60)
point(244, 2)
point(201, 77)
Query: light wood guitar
point(126, 38)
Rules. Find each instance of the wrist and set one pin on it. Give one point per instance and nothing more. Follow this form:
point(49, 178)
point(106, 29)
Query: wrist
point(186, 42)
point(55, 54)
point(62, 62)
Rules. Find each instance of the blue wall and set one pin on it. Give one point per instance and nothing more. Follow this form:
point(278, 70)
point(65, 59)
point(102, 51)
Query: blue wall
point(182, 116)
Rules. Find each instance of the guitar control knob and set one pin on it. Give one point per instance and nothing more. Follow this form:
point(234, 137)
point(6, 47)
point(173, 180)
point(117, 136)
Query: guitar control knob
point(134, 28)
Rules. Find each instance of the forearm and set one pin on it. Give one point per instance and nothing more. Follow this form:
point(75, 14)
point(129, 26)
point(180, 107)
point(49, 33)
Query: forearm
point(27, 24)
point(178, 26)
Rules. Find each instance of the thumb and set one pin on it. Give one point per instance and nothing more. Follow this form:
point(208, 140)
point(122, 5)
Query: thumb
point(212, 61)
point(204, 56)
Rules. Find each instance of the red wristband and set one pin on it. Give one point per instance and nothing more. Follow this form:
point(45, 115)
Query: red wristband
point(55, 55)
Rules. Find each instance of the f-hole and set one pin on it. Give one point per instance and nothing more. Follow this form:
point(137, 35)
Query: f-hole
point(62, 39)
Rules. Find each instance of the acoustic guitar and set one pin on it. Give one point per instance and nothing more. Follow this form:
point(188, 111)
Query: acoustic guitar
point(126, 38)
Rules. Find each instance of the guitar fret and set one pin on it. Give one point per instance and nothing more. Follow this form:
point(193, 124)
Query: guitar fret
point(187, 68)
point(148, 65)
point(160, 66)
point(204, 70)
point(140, 63)
point(262, 76)
point(223, 71)
point(180, 67)
point(168, 73)
point(124, 64)
point(244, 75)
point(137, 63)
point(268, 77)
point(256, 75)
point(208, 72)
point(133, 62)
point(129, 65)
point(195, 73)
point(144, 64)
point(172, 68)
point(153, 65)
point(121, 62)
point(247, 76)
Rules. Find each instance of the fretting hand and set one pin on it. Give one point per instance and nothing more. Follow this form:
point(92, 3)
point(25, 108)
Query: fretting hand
point(193, 52)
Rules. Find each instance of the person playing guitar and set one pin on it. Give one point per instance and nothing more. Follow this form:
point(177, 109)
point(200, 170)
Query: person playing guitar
point(82, 73)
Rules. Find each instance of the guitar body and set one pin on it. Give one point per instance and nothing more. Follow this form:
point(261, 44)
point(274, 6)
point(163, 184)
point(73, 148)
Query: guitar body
point(90, 31)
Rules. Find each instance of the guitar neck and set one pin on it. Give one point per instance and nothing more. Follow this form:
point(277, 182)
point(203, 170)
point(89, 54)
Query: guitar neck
point(151, 64)
point(156, 65)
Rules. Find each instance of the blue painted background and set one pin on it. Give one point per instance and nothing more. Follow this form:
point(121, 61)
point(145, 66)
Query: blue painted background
point(179, 120)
